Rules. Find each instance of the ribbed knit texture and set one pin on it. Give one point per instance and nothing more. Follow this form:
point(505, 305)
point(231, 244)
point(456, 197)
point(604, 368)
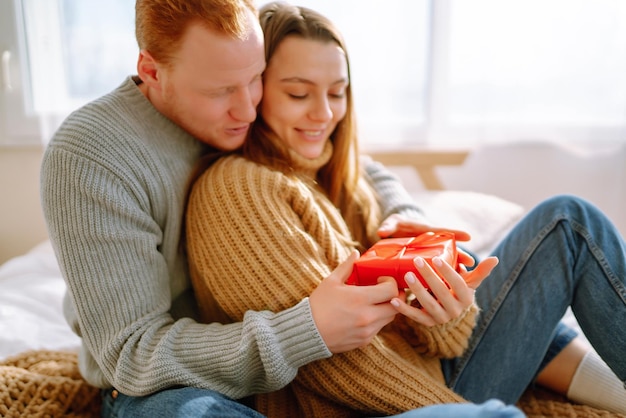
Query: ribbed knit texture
point(259, 239)
point(393, 199)
point(595, 384)
point(113, 187)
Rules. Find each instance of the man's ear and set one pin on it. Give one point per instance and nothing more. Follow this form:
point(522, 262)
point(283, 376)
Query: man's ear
point(148, 70)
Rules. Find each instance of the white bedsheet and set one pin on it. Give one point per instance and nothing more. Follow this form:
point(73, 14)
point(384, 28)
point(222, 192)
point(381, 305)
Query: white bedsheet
point(31, 295)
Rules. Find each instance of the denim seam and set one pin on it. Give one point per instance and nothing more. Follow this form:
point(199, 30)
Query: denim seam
point(502, 294)
point(602, 260)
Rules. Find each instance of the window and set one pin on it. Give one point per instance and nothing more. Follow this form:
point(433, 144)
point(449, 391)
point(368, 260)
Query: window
point(460, 71)
point(388, 44)
point(77, 49)
point(63, 53)
point(423, 71)
point(536, 69)
point(18, 125)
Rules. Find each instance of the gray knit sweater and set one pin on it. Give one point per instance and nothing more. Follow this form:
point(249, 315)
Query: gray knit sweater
point(113, 186)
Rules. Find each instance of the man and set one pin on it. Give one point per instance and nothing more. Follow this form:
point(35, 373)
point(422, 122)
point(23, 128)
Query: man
point(114, 182)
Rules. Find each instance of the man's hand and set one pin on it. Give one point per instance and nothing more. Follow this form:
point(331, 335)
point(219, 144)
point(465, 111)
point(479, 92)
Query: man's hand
point(400, 226)
point(349, 317)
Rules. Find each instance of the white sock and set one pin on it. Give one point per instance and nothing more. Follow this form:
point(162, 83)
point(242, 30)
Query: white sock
point(595, 384)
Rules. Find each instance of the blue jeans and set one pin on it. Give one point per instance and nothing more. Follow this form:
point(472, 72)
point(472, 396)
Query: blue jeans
point(195, 403)
point(565, 252)
point(184, 402)
point(490, 409)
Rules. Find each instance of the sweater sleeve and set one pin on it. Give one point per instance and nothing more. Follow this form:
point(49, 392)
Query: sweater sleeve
point(108, 233)
point(393, 196)
point(258, 240)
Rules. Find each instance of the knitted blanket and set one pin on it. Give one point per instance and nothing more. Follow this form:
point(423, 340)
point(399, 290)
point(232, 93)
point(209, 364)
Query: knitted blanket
point(46, 384)
point(541, 403)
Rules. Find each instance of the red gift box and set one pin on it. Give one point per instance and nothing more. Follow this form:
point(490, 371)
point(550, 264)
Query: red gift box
point(394, 257)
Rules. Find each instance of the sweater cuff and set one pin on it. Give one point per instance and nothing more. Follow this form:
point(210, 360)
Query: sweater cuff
point(298, 336)
point(446, 340)
point(393, 197)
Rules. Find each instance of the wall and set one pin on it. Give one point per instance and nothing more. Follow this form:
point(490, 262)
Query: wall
point(21, 220)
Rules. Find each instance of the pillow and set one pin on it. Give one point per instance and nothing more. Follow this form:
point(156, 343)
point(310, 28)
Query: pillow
point(485, 217)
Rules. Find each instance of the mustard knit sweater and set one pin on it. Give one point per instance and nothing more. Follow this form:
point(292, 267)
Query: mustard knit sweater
point(261, 240)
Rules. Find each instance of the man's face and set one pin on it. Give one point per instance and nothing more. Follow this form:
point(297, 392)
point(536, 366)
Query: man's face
point(213, 86)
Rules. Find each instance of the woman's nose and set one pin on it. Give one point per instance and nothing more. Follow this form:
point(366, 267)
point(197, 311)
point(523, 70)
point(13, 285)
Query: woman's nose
point(321, 110)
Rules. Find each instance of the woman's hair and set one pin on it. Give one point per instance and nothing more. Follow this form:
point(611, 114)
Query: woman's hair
point(161, 24)
point(341, 176)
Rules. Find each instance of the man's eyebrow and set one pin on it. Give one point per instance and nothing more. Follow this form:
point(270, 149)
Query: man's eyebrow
point(218, 90)
point(231, 87)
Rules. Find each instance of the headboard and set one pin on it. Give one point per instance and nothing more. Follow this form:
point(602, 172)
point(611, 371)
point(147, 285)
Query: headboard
point(423, 161)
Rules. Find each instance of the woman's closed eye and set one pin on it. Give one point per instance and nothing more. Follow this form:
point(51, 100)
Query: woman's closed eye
point(338, 95)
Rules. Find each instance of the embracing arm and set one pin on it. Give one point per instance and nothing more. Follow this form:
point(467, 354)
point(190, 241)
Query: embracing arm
point(402, 216)
point(117, 242)
point(393, 196)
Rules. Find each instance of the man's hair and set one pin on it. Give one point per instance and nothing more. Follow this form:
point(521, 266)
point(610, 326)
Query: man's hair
point(161, 24)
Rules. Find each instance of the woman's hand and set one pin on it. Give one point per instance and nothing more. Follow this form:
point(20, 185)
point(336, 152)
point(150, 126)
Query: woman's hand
point(400, 226)
point(443, 304)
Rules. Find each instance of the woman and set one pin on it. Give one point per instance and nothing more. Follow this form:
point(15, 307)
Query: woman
point(305, 207)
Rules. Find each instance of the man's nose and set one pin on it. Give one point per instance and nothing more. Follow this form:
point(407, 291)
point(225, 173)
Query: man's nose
point(244, 106)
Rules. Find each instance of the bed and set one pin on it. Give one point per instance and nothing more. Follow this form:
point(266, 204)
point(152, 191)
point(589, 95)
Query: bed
point(38, 370)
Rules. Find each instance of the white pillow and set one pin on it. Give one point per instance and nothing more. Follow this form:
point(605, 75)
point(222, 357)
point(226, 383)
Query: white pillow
point(486, 218)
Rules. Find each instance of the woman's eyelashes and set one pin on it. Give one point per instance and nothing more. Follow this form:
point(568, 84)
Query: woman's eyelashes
point(338, 95)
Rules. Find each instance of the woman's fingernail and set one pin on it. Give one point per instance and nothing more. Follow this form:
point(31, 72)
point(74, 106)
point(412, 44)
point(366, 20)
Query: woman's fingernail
point(419, 261)
point(410, 277)
point(395, 302)
point(437, 261)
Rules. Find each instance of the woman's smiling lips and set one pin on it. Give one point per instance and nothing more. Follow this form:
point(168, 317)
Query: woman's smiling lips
point(310, 133)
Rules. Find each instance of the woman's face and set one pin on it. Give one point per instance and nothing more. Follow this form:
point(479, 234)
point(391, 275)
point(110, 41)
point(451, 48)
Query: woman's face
point(304, 93)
